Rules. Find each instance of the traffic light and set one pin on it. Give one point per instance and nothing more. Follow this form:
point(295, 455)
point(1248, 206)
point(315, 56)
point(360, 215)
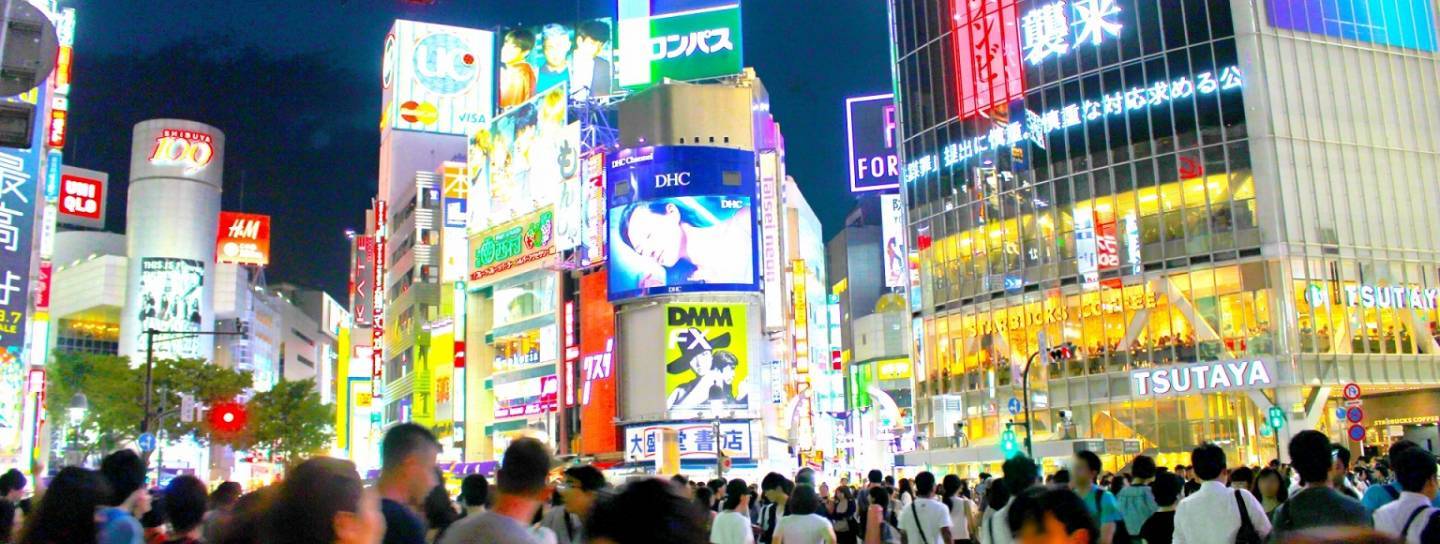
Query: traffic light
point(227, 417)
point(1008, 445)
point(1063, 352)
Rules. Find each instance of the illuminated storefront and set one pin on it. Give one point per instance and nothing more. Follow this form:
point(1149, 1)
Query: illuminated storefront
point(1119, 174)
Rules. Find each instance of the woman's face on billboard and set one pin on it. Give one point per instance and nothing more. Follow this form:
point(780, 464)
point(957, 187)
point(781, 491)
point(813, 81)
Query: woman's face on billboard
point(656, 236)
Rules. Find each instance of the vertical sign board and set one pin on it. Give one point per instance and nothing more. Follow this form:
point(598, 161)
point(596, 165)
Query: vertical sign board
point(1087, 251)
point(377, 300)
point(598, 403)
point(706, 356)
point(360, 277)
point(892, 234)
point(678, 39)
point(771, 272)
point(437, 78)
point(455, 190)
point(20, 170)
point(988, 71)
point(592, 236)
point(872, 128)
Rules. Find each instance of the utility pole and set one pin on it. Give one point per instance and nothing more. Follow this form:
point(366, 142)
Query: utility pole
point(150, 334)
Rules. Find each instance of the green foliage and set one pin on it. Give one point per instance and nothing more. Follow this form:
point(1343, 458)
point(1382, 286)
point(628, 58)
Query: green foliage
point(205, 382)
point(290, 421)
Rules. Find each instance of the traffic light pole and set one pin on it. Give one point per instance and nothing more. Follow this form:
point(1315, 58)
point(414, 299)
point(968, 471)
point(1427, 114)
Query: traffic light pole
point(1025, 398)
point(150, 335)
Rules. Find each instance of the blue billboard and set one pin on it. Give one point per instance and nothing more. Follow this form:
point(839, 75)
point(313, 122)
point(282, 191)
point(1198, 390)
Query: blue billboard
point(20, 192)
point(681, 220)
point(1400, 23)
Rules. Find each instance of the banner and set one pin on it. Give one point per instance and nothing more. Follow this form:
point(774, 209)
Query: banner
point(536, 59)
point(170, 291)
point(244, 238)
point(685, 41)
point(892, 233)
point(519, 161)
point(598, 406)
point(499, 252)
point(707, 356)
point(437, 78)
point(82, 197)
point(698, 441)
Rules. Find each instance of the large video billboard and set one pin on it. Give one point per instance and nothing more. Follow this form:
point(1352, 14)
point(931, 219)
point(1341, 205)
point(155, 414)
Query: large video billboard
point(244, 238)
point(706, 356)
point(678, 39)
point(681, 220)
point(170, 294)
point(437, 78)
point(535, 59)
point(1400, 23)
point(872, 128)
point(520, 161)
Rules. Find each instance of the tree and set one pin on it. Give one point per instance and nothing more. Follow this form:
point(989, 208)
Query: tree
point(290, 421)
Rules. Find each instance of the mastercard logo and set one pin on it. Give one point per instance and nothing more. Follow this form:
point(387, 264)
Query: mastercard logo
point(419, 112)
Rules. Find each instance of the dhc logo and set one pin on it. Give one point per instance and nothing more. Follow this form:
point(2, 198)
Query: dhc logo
point(677, 179)
point(444, 64)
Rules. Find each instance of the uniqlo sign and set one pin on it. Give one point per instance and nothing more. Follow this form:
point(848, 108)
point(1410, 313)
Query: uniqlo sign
point(82, 197)
point(244, 238)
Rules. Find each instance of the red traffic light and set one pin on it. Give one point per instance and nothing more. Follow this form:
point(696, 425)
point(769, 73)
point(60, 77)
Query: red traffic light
point(227, 417)
point(1062, 352)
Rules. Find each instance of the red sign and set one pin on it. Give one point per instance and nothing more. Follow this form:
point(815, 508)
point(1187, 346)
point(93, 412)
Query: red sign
point(1351, 391)
point(55, 133)
point(244, 238)
point(42, 291)
point(988, 72)
point(598, 433)
point(81, 197)
point(377, 301)
point(187, 148)
point(1357, 433)
point(459, 353)
point(1107, 251)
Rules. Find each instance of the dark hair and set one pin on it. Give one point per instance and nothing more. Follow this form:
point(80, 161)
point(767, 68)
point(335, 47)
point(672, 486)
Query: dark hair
point(522, 37)
point(439, 513)
point(1061, 477)
point(225, 495)
point(1399, 446)
point(734, 491)
point(590, 478)
point(594, 29)
point(247, 522)
point(1143, 467)
point(66, 512)
point(704, 496)
point(680, 480)
point(907, 487)
point(875, 476)
point(645, 511)
point(1414, 467)
point(771, 481)
point(880, 496)
point(155, 516)
point(11, 480)
point(715, 484)
point(1166, 488)
point(475, 490)
point(998, 495)
point(1116, 485)
point(403, 441)
point(313, 492)
point(125, 472)
point(1311, 456)
point(1019, 474)
point(1092, 462)
point(185, 502)
point(1242, 474)
point(805, 500)
point(950, 485)
point(806, 476)
point(1342, 454)
point(890, 480)
point(524, 467)
point(924, 484)
point(1283, 491)
point(1208, 460)
point(1031, 507)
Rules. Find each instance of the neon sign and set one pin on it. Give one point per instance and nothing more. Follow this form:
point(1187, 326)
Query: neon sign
point(1047, 30)
point(187, 148)
point(1039, 126)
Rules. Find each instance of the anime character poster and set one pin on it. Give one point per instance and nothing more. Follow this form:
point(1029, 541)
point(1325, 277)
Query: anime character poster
point(706, 356)
point(521, 159)
point(170, 293)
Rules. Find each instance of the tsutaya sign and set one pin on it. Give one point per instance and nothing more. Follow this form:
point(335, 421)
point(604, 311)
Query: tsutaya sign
point(1372, 296)
point(1207, 377)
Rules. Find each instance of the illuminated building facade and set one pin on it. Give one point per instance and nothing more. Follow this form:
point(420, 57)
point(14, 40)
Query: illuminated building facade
point(1174, 187)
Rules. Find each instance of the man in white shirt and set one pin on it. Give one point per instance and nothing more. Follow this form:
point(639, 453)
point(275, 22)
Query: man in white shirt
point(1407, 516)
point(1212, 515)
point(926, 520)
point(733, 526)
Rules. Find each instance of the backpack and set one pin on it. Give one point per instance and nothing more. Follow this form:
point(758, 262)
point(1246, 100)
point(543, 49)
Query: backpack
point(1122, 535)
point(1247, 533)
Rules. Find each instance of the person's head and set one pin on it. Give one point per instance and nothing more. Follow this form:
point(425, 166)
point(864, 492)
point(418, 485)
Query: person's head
point(323, 500)
point(1019, 474)
point(12, 485)
point(681, 481)
point(517, 46)
point(225, 495)
point(1166, 488)
point(1061, 477)
point(1143, 468)
point(125, 472)
point(1270, 484)
point(704, 496)
point(1399, 446)
point(950, 485)
point(555, 46)
point(523, 470)
point(806, 476)
point(1415, 470)
point(590, 38)
point(1242, 478)
point(644, 511)
point(655, 230)
point(906, 487)
point(1208, 462)
point(875, 477)
point(66, 512)
point(1341, 466)
point(1312, 457)
point(889, 481)
point(475, 490)
point(737, 495)
point(776, 489)
point(407, 460)
point(716, 485)
point(879, 495)
point(185, 503)
point(843, 492)
point(1182, 471)
point(438, 510)
point(804, 500)
point(582, 484)
point(1085, 468)
point(924, 484)
point(1051, 515)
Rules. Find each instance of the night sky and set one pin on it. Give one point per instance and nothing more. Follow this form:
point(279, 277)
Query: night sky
point(297, 92)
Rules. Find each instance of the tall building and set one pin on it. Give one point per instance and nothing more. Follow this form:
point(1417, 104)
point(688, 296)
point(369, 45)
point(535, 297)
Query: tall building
point(1223, 206)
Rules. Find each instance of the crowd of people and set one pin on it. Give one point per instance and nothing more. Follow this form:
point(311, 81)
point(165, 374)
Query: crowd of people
point(1319, 497)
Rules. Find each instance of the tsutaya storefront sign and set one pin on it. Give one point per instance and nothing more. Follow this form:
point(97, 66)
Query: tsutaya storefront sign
point(1207, 377)
point(1372, 296)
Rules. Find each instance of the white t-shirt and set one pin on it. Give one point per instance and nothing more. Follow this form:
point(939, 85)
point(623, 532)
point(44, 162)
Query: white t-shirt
point(960, 509)
point(806, 529)
point(932, 515)
point(731, 527)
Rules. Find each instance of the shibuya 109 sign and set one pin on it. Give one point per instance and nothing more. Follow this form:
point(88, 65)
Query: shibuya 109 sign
point(500, 251)
point(188, 149)
point(1207, 377)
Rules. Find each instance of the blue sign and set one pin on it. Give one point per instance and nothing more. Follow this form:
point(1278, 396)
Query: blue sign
point(20, 174)
point(1357, 433)
point(1014, 283)
point(1400, 23)
point(1340, 413)
point(681, 220)
point(1354, 414)
point(147, 442)
point(1013, 405)
point(873, 127)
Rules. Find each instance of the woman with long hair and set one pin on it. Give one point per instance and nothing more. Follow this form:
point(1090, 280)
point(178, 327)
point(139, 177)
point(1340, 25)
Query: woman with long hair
point(324, 501)
point(1273, 489)
point(843, 515)
point(66, 514)
point(962, 509)
point(904, 494)
point(804, 524)
point(878, 529)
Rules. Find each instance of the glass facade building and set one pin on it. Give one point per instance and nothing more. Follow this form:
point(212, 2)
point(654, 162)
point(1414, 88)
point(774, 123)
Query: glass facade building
point(1167, 185)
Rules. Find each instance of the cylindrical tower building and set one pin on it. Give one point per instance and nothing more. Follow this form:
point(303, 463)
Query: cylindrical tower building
point(173, 214)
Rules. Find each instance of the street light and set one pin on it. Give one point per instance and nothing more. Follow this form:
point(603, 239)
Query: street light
point(78, 406)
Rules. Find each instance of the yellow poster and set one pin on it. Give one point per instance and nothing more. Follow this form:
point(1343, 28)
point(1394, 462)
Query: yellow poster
point(706, 356)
